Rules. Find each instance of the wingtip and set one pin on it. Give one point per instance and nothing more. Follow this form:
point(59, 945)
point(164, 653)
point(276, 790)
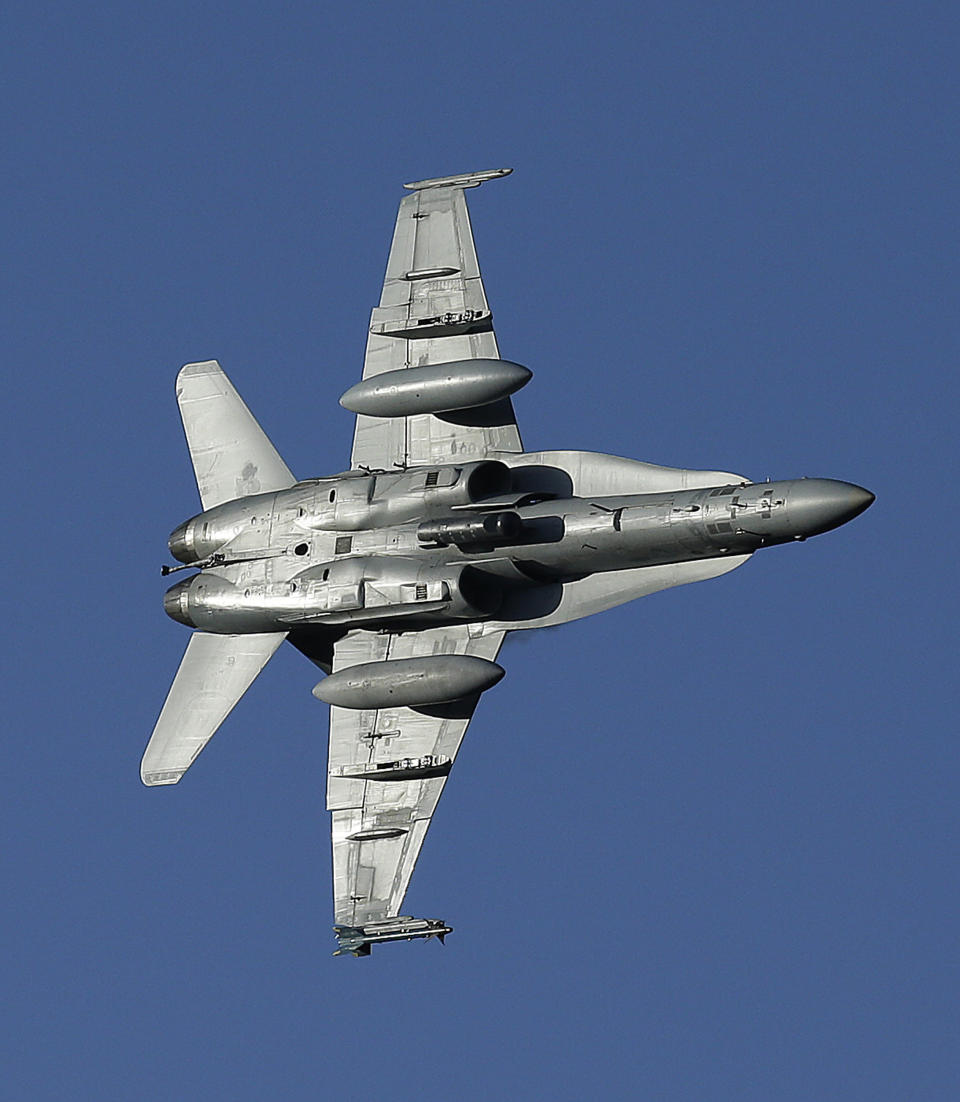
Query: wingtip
point(156, 779)
point(464, 179)
point(199, 367)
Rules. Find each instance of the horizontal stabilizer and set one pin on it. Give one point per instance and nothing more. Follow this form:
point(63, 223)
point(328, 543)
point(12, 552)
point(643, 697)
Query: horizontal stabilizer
point(232, 456)
point(215, 672)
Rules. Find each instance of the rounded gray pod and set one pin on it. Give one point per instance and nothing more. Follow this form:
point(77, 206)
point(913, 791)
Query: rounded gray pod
point(409, 682)
point(436, 388)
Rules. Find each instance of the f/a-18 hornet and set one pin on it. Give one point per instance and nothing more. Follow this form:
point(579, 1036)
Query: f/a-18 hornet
point(401, 577)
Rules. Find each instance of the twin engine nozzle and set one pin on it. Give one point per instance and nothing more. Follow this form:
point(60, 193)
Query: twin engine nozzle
point(197, 539)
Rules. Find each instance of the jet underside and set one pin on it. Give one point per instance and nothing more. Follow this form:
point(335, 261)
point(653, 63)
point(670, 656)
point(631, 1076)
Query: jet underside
point(290, 562)
point(400, 577)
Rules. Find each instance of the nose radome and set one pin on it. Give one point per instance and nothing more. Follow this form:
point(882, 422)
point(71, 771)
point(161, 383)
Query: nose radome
point(816, 505)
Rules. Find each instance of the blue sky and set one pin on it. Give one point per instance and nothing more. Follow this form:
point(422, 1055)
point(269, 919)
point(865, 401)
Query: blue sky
point(701, 847)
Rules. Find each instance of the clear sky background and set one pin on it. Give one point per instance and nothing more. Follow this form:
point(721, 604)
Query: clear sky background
point(701, 847)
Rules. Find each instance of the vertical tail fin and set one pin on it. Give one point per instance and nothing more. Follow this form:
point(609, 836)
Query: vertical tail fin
point(232, 455)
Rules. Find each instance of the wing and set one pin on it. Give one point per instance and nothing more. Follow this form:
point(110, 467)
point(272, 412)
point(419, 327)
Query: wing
point(379, 824)
point(232, 456)
point(433, 309)
point(216, 670)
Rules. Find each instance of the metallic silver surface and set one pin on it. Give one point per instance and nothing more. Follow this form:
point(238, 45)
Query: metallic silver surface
point(401, 577)
point(465, 179)
point(483, 531)
point(370, 878)
point(232, 456)
point(433, 232)
point(436, 388)
point(357, 940)
point(409, 682)
point(215, 672)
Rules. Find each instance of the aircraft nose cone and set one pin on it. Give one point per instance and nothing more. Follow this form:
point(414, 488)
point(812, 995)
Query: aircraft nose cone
point(816, 505)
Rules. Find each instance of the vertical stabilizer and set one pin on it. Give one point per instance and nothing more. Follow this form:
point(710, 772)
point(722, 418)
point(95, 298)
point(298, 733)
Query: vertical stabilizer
point(232, 455)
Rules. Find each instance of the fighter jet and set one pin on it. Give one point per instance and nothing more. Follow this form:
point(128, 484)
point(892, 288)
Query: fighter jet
point(401, 577)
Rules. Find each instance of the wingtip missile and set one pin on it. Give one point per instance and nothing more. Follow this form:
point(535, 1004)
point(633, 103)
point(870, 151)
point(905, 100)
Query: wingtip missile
point(358, 940)
point(463, 179)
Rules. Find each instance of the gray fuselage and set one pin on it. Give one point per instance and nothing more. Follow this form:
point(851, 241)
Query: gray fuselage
point(453, 544)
